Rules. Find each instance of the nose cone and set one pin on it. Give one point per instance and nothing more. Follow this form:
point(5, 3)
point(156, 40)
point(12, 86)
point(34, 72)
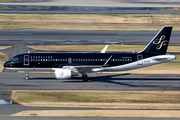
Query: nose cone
point(6, 64)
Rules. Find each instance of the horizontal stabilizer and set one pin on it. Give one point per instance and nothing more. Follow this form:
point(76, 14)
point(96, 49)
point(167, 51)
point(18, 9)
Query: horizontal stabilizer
point(164, 57)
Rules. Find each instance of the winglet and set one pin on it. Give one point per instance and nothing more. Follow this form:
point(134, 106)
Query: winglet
point(104, 49)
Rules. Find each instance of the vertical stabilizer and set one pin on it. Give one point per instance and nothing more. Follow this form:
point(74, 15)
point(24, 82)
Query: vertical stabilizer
point(159, 44)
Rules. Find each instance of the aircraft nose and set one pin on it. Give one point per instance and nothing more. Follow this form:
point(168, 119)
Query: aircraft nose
point(6, 64)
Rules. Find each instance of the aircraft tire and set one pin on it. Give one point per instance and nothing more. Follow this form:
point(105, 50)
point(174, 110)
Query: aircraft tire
point(85, 78)
point(27, 78)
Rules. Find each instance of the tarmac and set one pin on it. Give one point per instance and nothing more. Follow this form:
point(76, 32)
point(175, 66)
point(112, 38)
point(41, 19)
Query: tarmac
point(97, 82)
point(69, 37)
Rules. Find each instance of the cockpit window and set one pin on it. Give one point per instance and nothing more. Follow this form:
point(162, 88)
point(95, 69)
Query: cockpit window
point(14, 59)
point(11, 59)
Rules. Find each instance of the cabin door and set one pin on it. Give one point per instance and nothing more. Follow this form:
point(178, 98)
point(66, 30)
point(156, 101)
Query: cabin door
point(26, 60)
point(139, 59)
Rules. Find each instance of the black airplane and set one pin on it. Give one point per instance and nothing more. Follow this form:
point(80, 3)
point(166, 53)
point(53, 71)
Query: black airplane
point(68, 64)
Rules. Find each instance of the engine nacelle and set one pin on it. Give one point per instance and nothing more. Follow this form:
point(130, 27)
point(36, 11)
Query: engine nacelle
point(63, 73)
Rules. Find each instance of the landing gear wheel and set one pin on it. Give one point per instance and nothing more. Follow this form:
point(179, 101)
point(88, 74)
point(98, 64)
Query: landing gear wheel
point(27, 75)
point(27, 78)
point(85, 78)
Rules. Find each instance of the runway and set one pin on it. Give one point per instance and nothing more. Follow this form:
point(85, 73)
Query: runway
point(50, 37)
point(100, 3)
point(97, 82)
point(91, 7)
point(20, 9)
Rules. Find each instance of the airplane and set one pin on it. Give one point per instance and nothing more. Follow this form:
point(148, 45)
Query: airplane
point(68, 64)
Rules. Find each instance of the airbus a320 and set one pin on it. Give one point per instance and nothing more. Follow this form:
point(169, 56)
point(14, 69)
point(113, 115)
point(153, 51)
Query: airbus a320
point(68, 64)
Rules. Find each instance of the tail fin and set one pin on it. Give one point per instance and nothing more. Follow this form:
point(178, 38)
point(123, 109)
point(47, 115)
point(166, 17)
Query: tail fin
point(159, 44)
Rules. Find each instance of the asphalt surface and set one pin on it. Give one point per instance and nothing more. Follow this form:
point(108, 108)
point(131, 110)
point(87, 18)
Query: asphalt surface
point(99, 82)
point(50, 37)
point(91, 7)
point(100, 3)
point(20, 9)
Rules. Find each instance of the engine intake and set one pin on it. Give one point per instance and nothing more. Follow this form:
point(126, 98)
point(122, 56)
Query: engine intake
point(63, 73)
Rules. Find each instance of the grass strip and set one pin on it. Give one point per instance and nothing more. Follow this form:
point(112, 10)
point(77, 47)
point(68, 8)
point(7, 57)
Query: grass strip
point(3, 57)
point(88, 22)
point(1, 66)
point(160, 106)
point(103, 113)
point(97, 96)
point(90, 48)
point(4, 47)
point(99, 99)
point(164, 68)
point(3, 8)
point(98, 48)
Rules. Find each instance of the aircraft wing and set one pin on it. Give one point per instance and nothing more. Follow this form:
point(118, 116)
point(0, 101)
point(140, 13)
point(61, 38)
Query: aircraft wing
point(85, 68)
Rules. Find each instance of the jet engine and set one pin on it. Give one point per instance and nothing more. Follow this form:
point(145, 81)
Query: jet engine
point(64, 73)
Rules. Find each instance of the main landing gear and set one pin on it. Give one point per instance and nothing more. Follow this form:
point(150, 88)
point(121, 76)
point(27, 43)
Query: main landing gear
point(84, 77)
point(27, 75)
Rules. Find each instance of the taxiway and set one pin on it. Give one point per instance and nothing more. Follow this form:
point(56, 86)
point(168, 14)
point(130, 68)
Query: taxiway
point(50, 37)
point(97, 82)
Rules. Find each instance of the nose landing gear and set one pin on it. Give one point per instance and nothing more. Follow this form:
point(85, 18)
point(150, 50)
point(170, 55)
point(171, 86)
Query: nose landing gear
point(27, 75)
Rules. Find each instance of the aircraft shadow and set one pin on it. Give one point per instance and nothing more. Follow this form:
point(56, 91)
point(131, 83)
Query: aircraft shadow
point(97, 78)
point(118, 80)
point(129, 81)
point(42, 78)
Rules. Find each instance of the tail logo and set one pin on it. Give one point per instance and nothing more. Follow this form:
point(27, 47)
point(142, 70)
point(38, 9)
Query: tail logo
point(160, 42)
